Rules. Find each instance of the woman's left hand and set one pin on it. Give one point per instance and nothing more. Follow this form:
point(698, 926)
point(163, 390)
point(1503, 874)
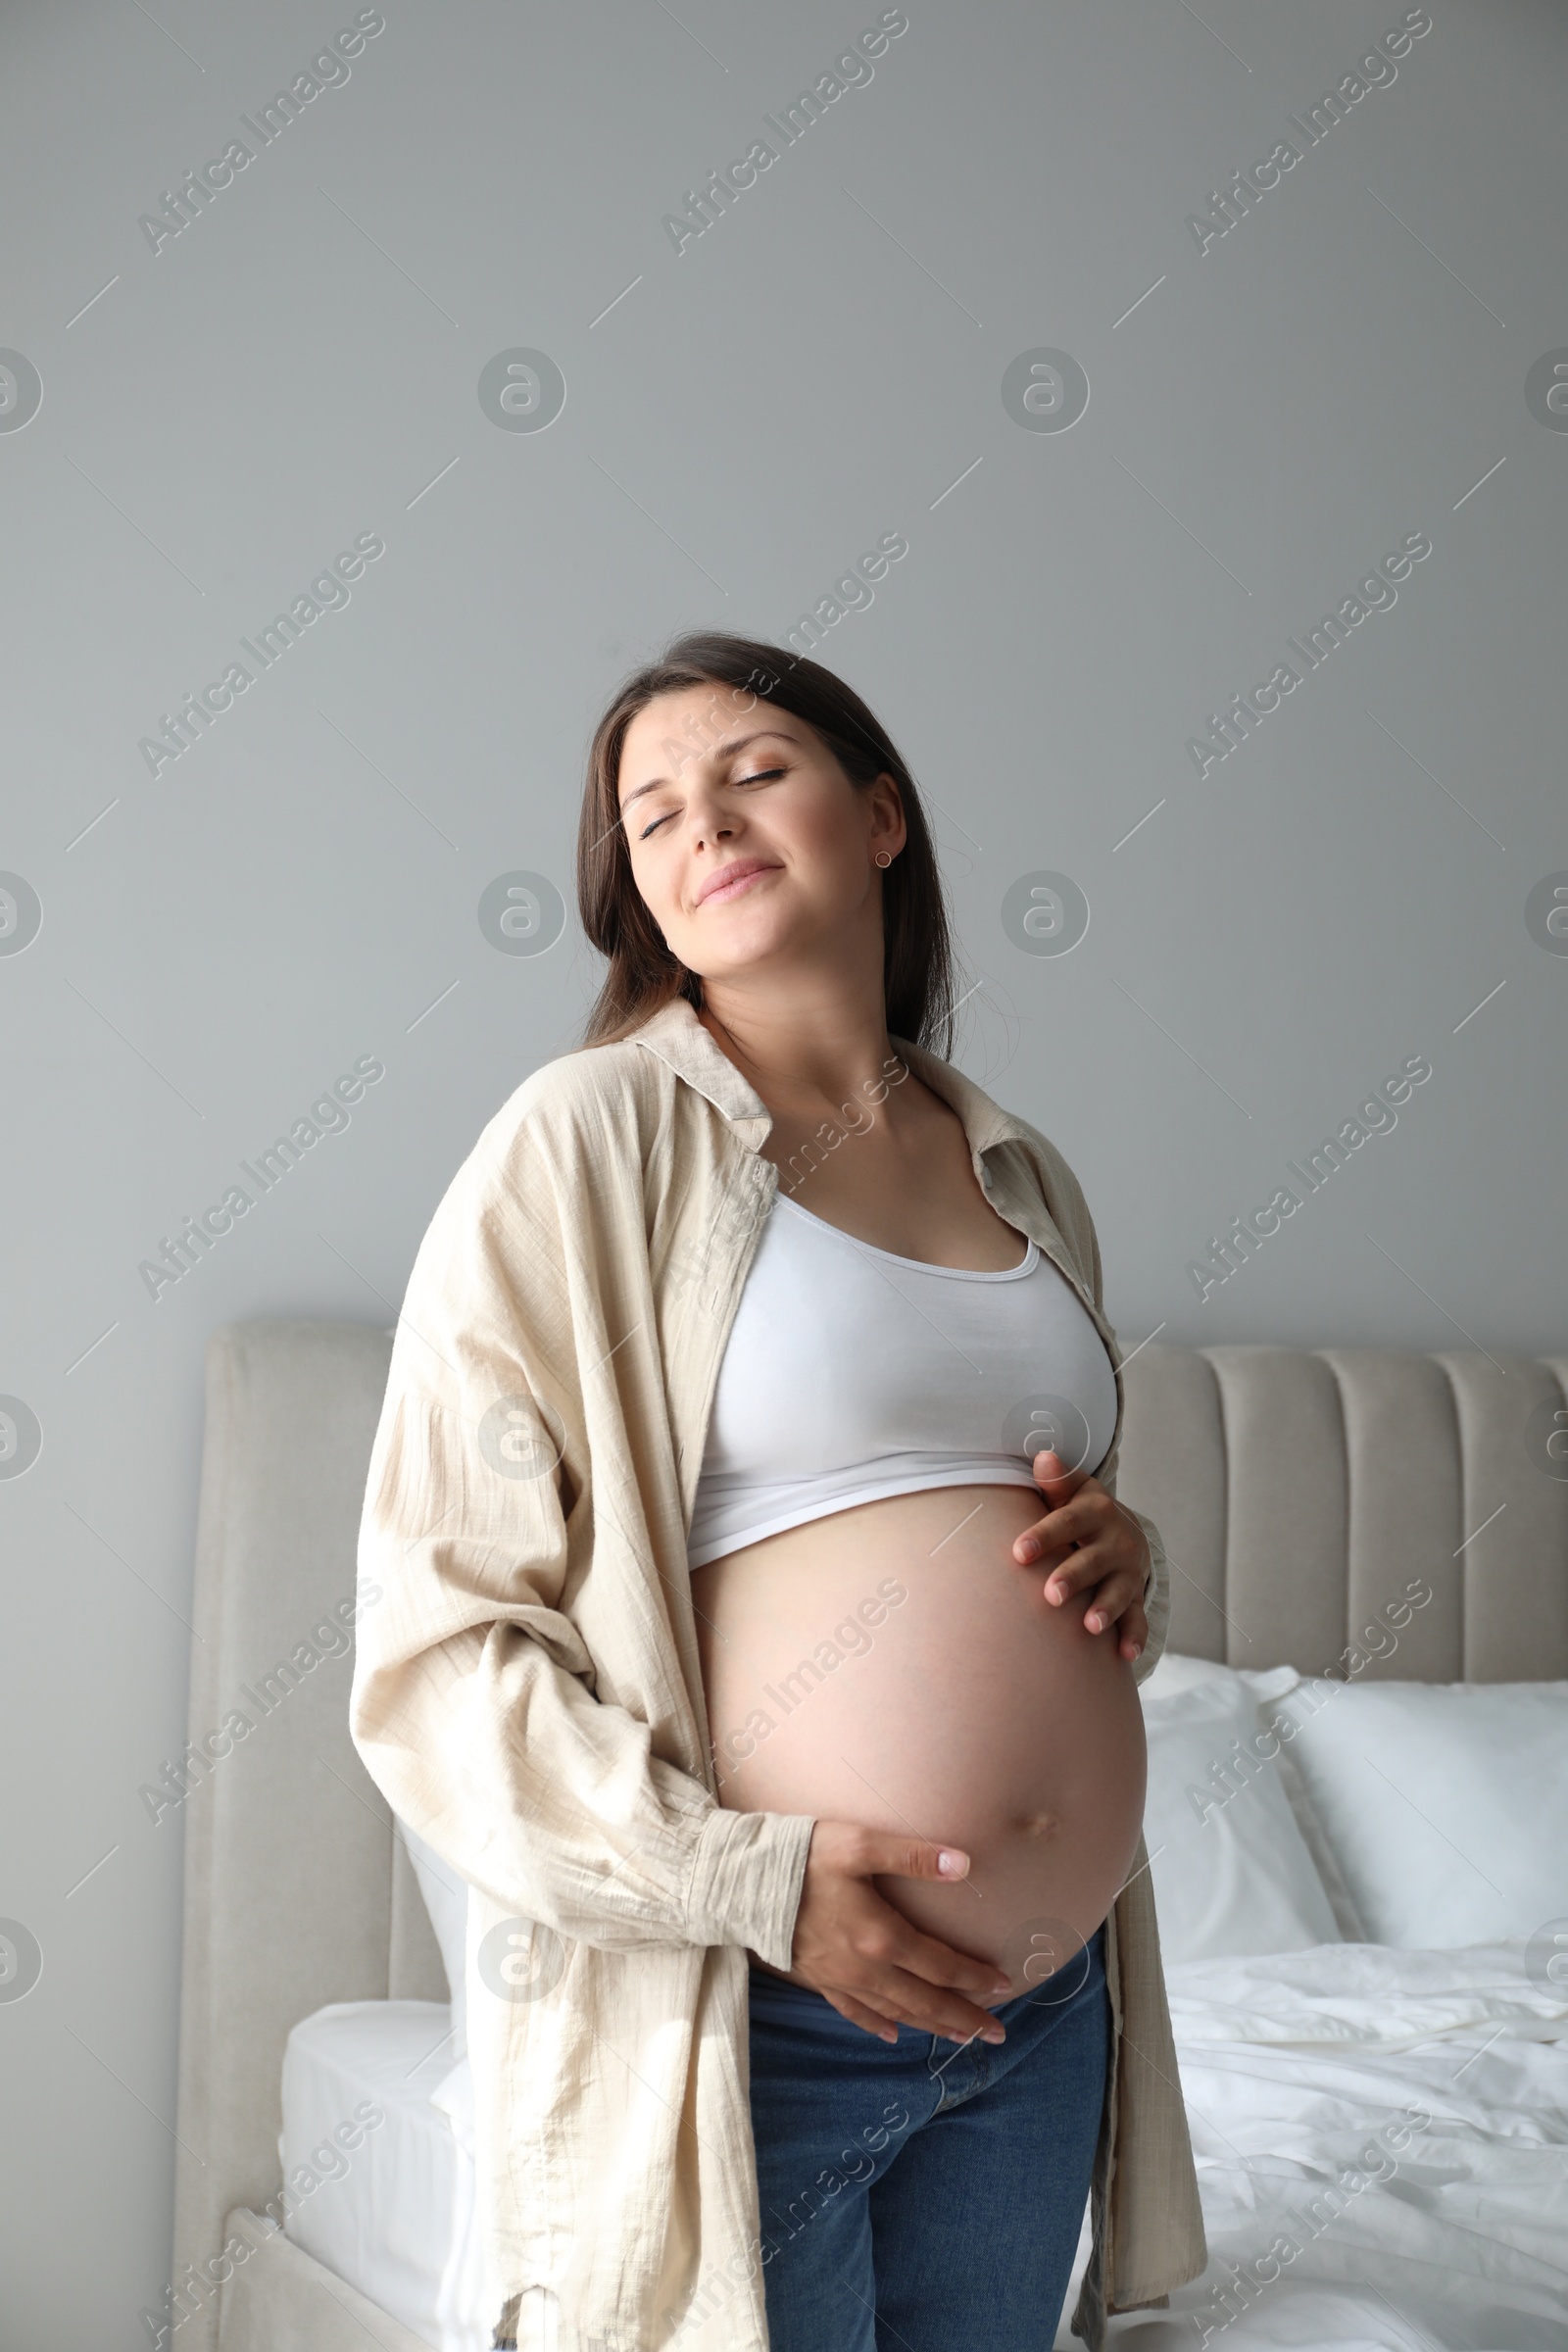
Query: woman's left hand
point(1102, 1551)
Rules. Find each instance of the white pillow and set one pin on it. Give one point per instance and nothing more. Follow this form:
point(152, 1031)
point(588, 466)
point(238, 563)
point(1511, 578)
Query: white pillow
point(1175, 1672)
point(1446, 1803)
point(446, 1899)
point(1347, 1912)
point(1233, 1876)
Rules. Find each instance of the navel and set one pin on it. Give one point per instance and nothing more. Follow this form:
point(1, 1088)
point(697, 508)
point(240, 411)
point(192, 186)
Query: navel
point(1039, 1825)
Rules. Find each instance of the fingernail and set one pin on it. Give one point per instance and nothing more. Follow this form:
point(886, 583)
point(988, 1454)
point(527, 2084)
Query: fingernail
point(994, 2033)
point(1095, 1622)
point(1028, 1547)
point(952, 1863)
point(1000, 1986)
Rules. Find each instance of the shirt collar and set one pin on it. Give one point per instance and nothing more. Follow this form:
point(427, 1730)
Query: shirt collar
point(984, 1122)
point(678, 1038)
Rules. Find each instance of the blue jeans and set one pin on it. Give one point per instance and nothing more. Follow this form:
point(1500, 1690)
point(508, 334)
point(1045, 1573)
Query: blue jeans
point(923, 2196)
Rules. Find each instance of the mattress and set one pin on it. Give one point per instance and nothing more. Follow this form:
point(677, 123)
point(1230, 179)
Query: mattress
point(1381, 2140)
point(394, 2215)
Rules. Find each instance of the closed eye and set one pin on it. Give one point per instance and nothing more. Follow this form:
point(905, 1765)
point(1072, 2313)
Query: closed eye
point(763, 775)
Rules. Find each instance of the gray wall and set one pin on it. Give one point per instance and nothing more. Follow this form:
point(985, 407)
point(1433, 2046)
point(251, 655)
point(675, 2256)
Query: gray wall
point(1345, 367)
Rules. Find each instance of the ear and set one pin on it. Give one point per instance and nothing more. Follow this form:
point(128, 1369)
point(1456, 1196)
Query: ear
point(892, 830)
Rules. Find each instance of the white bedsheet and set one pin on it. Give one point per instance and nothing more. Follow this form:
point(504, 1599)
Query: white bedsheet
point(1303, 2073)
point(1300, 2072)
point(398, 2223)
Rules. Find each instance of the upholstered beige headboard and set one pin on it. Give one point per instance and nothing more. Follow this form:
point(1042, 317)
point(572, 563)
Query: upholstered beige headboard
point(296, 1891)
point(1298, 1493)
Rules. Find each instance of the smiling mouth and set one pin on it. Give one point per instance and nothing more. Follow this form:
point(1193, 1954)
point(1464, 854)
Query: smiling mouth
point(733, 890)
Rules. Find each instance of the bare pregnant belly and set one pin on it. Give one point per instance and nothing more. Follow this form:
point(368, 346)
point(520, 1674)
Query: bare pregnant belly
point(892, 1665)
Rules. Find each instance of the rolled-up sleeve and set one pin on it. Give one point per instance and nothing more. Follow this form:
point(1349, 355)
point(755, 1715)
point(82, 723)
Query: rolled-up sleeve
point(1156, 1581)
point(1157, 1593)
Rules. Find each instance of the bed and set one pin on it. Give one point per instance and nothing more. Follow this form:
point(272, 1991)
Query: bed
point(1300, 1493)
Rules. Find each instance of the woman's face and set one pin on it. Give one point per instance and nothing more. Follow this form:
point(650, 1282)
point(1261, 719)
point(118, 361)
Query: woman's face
point(747, 839)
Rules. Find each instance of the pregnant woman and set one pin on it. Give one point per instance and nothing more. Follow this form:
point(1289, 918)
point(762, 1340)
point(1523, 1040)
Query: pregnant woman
point(761, 1632)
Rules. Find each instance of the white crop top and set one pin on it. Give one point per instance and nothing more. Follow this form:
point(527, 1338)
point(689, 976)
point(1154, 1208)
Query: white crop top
point(852, 1373)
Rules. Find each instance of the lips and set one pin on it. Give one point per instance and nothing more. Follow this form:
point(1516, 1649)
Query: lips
point(724, 878)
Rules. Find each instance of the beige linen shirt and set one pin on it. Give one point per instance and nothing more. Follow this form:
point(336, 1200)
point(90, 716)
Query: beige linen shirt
point(528, 1697)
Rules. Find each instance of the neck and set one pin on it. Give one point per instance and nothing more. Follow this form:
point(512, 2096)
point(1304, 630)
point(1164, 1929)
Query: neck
point(802, 1051)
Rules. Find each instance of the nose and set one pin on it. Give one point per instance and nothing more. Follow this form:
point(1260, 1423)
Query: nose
point(710, 825)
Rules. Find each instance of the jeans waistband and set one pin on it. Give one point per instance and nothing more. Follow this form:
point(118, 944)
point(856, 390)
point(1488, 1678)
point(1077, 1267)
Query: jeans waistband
point(764, 1980)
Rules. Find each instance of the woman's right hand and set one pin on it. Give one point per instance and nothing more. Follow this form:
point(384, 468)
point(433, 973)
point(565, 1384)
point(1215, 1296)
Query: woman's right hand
point(864, 1956)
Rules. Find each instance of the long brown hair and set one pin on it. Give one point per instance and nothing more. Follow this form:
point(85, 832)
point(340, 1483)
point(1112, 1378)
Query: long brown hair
point(918, 970)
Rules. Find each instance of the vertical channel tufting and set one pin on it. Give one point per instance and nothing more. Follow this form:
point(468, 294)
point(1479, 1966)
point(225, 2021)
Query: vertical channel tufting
point(1515, 1521)
point(1287, 1511)
point(1401, 1445)
point(1299, 1494)
point(1551, 1449)
point(287, 1844)
point(1172, 1465)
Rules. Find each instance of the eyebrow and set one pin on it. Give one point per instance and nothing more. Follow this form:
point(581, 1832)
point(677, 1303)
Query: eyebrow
point(716, 751)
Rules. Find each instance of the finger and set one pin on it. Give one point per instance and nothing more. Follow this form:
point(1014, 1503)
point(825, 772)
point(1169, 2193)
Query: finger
point(887, 1995)
point(938, 1971)
point(1105, 1597)
point(1111, 1600)
point(1084, 1570)
point(885, 1853)
point(1078, 1520)
point(1031, 1549)
point(860, 2014)
point(1053, 1473)
point(1133, 1634)
point(886, 1850)
point(1088, 1512)
point(1101, 1554)
point(915, 2002)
